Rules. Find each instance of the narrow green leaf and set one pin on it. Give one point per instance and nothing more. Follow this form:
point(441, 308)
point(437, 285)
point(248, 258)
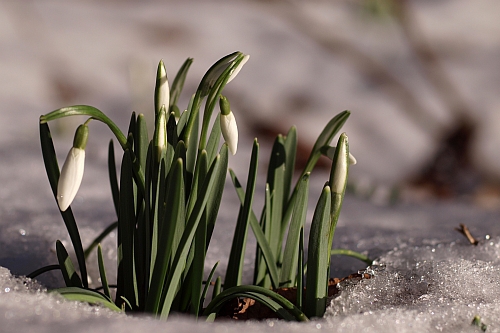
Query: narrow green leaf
point(214, 201)
point(197, 266)
point(102, 272)
point(207, 284)
point(237, 253)
point(178, 83)
point(132, 131)
point(213, 140)
point(172, 140)
point(276, 178)
point(70, 276)
point(141, 138)
point(198, 178)
point(290, 157)
point(86, 295)
point(261, 276)
point(42, 270)
point(290, 255)
point(217, 287)
point(99, 238)
point(300, 273)
point(52, 169)
point(354, 254)
point(126, 226)
point(149, 205)
point(192, 143)
point(175, 274)
point(259, 236)
point(113, 179)
point(174, 216)
point(318, 260)
point(279, 304)
point(184, 118)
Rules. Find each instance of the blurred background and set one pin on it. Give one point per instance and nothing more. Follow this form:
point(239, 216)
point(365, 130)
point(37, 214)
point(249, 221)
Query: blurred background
point(421, 78)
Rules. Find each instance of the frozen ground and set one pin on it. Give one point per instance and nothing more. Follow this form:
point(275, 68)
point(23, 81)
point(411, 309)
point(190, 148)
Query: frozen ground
point(56, 53)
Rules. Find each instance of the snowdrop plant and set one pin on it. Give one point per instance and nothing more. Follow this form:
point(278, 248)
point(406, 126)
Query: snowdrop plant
point(167, 198)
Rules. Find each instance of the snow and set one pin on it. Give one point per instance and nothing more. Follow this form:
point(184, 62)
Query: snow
point(427, 278)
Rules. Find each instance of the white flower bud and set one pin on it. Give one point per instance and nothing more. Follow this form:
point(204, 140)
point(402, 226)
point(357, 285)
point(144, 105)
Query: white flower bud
point(72, 170)
point(237, 69)
point(162, 89)
point(71, 177)
point(229, 131)
point(339, 176)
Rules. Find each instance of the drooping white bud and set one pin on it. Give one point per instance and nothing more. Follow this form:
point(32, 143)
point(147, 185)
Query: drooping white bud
point(229, 131)
point(71, 177)
point(238, 68)
point(228, 125)
point(341, 165)
point(72, 170)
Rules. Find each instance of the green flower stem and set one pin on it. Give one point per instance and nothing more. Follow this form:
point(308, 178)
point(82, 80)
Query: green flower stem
point(79, 110)
point(42, 270)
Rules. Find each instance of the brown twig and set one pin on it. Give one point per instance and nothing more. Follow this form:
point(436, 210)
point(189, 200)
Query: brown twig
point(465, 231)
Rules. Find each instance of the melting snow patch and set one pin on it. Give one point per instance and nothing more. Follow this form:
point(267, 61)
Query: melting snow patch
point(433, 288)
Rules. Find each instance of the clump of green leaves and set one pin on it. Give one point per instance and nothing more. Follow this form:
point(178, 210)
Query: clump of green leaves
point(167, 199)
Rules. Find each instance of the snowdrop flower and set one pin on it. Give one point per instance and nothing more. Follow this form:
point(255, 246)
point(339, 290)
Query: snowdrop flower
point(238, 69)
point(162, 89)
point(339, 176)
point(228, 125)
point(72, 170)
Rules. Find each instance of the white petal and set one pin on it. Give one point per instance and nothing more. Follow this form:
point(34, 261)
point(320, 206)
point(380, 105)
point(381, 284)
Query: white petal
point(352, 159)
point(238, 69)
point(70, 178)
point(229, 131)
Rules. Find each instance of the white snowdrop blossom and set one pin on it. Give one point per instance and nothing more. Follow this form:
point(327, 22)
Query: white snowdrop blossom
point(71, 177)
point(238, 69)
point(229, 131)
point(72, 170)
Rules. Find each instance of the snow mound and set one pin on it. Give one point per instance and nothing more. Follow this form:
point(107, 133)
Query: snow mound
point(423, 289)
